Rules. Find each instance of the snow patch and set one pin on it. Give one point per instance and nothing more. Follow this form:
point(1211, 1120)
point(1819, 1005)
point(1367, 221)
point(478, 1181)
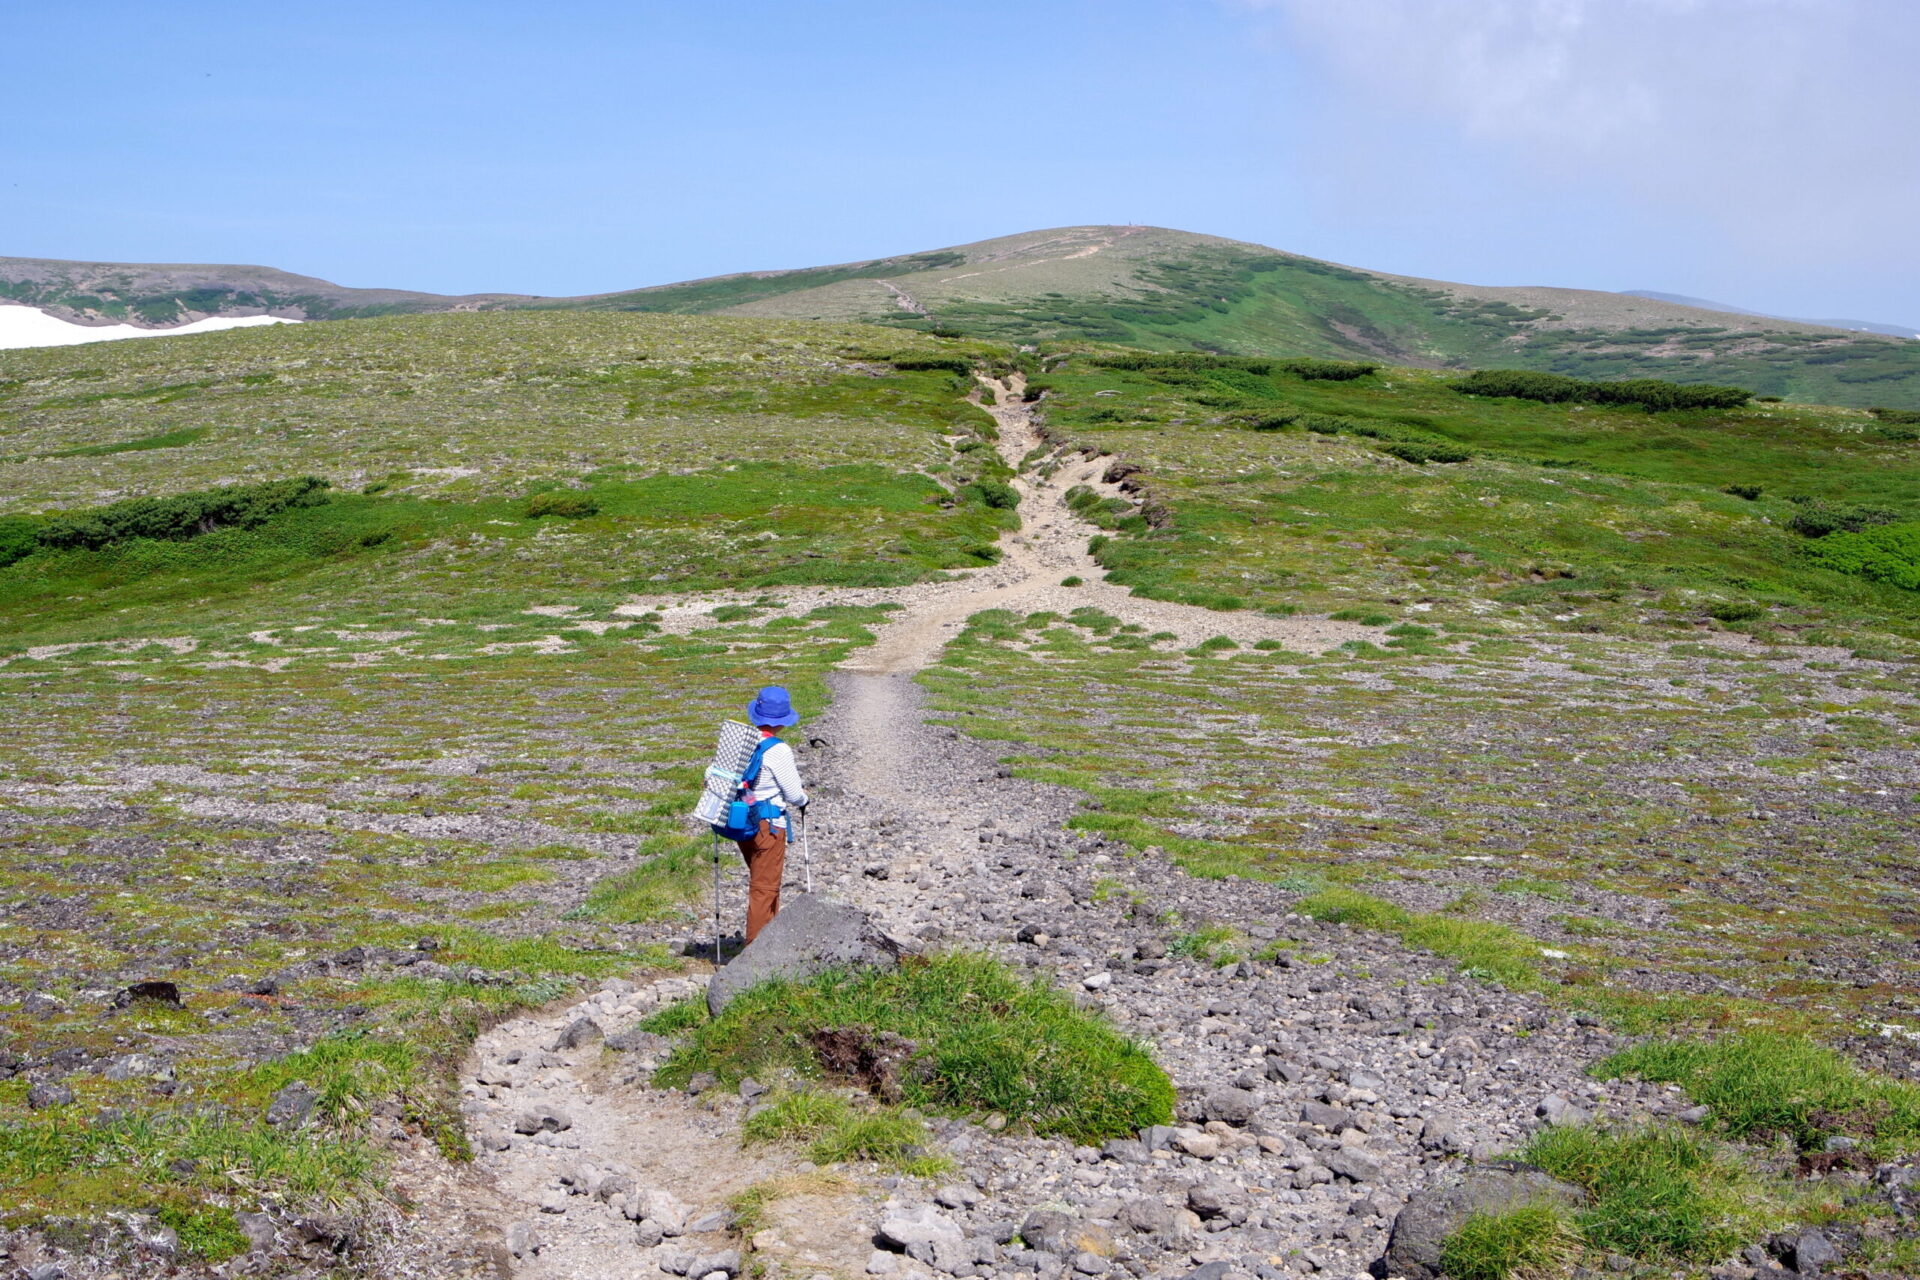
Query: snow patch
point(30, 327)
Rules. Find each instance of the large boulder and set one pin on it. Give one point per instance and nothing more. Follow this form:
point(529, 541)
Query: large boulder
point(1437, 1210)
point(809, 935)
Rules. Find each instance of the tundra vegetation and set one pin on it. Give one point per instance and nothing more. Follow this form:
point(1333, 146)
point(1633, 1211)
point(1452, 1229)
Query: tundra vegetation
point(342, 699)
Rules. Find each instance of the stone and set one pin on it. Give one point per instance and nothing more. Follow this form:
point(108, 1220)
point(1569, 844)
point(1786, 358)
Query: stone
point(293, 1105)
point(1556, 1110)
point(706, 1222)
point(647, 1234)
point(1696, 1115)
point(49, 1093)
point(39, 1004)
point(1149, 1217)
point(662, 1208)
point(955, 1196)
point(523, 1240)
point(1230, 1105)
point(1353, 1163)
point(724, 1263)
point(1331, 1118)
point(1097, 981)
point(1201, 1146)
point(614, 1184)
point(542, 1119)
point(131, 1066)
point(258, 1229)
point(880, 1262)
point(1437, 1210)
point(1813, 1251)
point(1210, 1271)
point(578, 1032)
point(809, 935)
point(676, 1262)
point(903, 1226)
point(1062, 1234)
point(1213, 1197)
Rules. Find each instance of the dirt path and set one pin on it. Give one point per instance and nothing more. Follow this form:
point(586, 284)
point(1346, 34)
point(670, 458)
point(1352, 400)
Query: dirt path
point(582, 1170)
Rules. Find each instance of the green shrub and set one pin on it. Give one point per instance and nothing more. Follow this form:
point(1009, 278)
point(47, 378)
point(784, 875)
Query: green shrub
point(1762, 1082)
point(997, 494)
point(1898, 417)
point(1888, 553)
point(19, 538)
point(1421, 454)
point(933, 364)
point(1366, 617)
point(1279, 421)
point(561, 502)
point(1817, 519)
point(185, 515)
point(1748, 491)
point(1736, 611)
point(1527, 1242)
point(1072, 580)
point(986, 1039)
point(1554, 388)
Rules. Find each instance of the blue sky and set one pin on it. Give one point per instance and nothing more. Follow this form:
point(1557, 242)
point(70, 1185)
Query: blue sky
point(1759, 152)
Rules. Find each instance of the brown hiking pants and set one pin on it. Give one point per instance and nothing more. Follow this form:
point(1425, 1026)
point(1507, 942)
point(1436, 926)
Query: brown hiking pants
point(766, 856)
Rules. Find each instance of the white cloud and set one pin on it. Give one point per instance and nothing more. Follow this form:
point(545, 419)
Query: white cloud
point(1788, 123)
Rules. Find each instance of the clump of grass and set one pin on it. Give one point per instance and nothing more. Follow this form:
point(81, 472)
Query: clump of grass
point(1365, 617)
point(986, 1040)
point(1532, 886)
point(1072, 580)
point(1217, 944)
point(680, 1016)
point(561, 502)
point(1535, 1241)
point(1483, 949)
point(1759, 1083)
point(1214, 644)
point(837, 1130)
point(1659, 1193)
point(656, 889)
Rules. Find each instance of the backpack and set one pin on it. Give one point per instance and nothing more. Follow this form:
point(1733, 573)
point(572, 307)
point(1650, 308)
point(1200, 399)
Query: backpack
point(741, 818)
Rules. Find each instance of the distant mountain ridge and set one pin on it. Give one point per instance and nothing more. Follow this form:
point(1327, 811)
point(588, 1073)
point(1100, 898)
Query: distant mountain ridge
point(1856, 326)
point(1143, 286)
point(160, 295)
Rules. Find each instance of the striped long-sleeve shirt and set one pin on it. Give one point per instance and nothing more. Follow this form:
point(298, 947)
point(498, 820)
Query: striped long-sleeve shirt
point(779, 780)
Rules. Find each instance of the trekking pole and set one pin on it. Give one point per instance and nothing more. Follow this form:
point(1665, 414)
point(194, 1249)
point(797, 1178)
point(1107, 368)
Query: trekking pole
point(716, 901)
point(806, 850)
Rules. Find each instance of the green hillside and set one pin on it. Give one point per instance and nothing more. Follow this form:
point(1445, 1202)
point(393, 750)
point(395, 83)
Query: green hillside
point(1150, 287)
point(1139, 286)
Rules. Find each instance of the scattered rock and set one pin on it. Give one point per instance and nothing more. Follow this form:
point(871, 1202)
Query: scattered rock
point(542, 1118)
point(578, 1032)
point(49, 1094)
point(809, 935)
point(292, 1105)
point(1231, 1106)
point(158, 992)
point(1437, 1210)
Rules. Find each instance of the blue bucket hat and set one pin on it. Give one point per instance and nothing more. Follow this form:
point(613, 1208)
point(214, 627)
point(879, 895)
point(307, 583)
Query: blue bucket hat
point(773, 706)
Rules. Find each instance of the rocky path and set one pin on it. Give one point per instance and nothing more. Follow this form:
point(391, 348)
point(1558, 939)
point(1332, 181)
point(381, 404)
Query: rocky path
point(1320, 1086)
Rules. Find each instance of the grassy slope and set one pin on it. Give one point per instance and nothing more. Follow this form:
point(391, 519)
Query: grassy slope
point(1142, 286)
point(1554, 730)
point(1167, 289)
point(410, 713)
point(357, 732)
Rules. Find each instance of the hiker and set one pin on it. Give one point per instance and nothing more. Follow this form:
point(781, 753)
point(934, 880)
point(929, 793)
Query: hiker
point(774, 792)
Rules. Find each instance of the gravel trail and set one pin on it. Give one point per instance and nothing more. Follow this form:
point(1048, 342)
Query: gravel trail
point(1319, 1086)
